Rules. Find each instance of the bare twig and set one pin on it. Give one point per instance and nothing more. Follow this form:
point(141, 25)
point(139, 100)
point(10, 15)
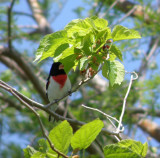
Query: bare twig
point(99, 8)
point(23, 14)
point(125, 99)
point(153, 49)
point(58, 12)
point(113, 4)
point(126, 15)
point(108, 116)
point(9, 25)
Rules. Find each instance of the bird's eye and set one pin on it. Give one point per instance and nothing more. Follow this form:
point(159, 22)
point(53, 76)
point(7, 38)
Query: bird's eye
point(61, 66)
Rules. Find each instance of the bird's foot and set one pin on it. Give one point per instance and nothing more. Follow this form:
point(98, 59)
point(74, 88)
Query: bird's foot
point(70, 93)
point(56, 101)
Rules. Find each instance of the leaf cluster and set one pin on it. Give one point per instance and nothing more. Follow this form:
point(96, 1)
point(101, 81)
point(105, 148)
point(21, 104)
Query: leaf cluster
point(87, 44)
point(62, 137)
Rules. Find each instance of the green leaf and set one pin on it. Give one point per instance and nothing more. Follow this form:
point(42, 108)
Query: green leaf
point(69, 62)
point(145, 148)
point(135, 146)
point(78, 28)
point(64, 54)
point(87, 43)
point(71, 24)
point(114, 71)
point(122, 33)
point(112, 56)
point(61, 49)
point(61, 136)
point(29, 151)
point(86, 134)
point(50, 43)
point(116, 51)
point(83, 62)
point(39, 155)
point(100, 23)
point(105, 69)
point(116, 151)
point(42, 145)
point(104, 34)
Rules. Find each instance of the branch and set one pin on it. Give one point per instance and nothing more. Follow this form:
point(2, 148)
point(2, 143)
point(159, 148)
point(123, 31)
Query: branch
point(40, 122)
point(72, 91)
point(22, 13)
point(83, 81)
point(42, 22)
point(23, 64)
point(13, 66)
point(126, 15)
point(9, 11)
point(118, 130)
point(31, 102)
point(9, 102)
point(152, 48)
point(150, 127)
point(140, 110)
point(139, 12)
point(107, 12)
point(125, 99)
point(56, 14)
point(108, 117)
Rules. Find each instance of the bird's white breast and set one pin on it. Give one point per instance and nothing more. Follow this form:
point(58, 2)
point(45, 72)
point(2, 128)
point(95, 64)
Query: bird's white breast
point(55, 91)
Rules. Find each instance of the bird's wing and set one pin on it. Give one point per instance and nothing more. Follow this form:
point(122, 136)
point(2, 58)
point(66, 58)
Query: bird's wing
point(47, 84)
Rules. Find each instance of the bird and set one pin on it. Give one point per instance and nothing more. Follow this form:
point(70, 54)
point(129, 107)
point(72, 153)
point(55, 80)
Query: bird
point(58, 84)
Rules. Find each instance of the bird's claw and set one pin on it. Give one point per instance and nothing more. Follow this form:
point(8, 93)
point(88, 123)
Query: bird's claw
point(56, 101)
point(70, 93)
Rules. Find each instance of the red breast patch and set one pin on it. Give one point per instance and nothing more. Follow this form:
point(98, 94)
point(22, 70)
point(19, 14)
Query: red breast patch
point(61, 79)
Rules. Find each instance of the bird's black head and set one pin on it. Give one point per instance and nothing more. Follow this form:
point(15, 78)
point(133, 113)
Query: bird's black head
point(57, 69)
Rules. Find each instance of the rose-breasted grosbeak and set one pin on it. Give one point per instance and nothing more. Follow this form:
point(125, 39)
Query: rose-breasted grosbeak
point(58, 84)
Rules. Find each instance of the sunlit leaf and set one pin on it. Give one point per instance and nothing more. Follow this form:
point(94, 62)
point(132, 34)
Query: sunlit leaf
point(116, 151)
point(86, 134)
point(61, 136)
point(122, 33)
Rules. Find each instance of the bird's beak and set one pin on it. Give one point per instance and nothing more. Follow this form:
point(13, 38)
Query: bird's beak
point(61, 67)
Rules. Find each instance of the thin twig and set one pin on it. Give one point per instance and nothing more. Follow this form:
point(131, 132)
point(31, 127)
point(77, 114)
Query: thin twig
point(23, 14)
point(9, 25)
point(108, 116)
point(58, 12)
point(153, 49)
point(113, 4)
point(126, 15)
point(99, 8)
point(125, 99)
